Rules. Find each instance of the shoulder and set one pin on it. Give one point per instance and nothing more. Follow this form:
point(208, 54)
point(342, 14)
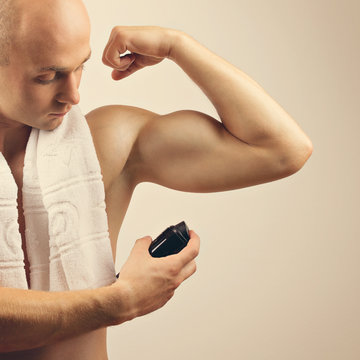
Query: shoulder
point(115, 129)
point(129, 118)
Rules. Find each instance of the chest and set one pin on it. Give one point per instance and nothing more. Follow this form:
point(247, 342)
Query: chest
point(117, 199)
point(16, 166)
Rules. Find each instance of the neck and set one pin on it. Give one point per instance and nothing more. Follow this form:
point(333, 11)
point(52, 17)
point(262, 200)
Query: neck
point(13, 138)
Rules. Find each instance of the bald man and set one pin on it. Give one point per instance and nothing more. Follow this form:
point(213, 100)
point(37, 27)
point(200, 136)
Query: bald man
point(43, 49)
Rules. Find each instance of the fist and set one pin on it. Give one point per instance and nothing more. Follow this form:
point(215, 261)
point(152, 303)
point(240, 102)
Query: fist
point(144, 46)
point(149, 283)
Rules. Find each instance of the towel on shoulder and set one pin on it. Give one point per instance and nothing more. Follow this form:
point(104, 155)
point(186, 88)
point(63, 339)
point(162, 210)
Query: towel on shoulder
point(67, 238)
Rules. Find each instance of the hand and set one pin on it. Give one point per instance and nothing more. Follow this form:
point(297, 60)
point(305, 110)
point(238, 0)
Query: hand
point(147, 45)
point(151, 282)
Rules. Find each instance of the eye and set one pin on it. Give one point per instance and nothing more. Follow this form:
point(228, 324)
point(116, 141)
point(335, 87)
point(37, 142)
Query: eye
point(46, 78)
point(51, 77)
point(80, 68)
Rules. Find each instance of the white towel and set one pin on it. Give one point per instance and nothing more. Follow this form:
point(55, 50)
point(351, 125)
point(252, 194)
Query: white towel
point(67, 238)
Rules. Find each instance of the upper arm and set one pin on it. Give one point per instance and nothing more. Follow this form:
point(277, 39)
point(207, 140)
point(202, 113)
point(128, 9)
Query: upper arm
point(191, 151)
point(114, 130)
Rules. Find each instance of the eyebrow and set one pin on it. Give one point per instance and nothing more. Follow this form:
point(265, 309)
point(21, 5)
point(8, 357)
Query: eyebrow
point(60, 68)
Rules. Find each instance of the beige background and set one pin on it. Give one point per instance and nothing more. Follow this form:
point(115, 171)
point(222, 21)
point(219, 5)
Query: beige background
point(278, 273)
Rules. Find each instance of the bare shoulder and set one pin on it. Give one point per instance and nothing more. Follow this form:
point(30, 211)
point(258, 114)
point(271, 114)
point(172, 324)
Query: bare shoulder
point(115, 129)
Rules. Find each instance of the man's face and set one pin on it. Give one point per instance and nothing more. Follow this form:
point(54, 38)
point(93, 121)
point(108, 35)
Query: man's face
point(41, 83)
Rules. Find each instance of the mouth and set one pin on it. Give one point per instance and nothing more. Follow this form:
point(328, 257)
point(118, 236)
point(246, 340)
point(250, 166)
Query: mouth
point(59, 114)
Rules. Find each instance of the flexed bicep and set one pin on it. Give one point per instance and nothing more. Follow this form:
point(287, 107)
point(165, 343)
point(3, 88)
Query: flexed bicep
point(191, 151)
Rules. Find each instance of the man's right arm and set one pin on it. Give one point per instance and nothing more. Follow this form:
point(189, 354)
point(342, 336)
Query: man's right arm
point(31, 319)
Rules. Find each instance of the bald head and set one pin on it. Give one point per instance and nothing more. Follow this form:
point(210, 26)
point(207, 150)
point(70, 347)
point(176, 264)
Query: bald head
point(7, 19)
point(44, 20)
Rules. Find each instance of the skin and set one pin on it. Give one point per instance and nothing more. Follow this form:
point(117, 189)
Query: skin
point(256, 142)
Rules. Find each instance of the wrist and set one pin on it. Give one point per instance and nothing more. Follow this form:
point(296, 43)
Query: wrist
point(178, 40)
point(118, 305)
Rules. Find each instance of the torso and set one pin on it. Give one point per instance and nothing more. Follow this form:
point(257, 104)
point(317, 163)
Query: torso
point(90, 346)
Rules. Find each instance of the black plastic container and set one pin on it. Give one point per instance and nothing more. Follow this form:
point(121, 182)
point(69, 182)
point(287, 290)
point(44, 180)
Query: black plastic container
point(171, 241)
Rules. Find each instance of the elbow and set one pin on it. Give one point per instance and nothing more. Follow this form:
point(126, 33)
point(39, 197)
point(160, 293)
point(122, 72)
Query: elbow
point(294, 159)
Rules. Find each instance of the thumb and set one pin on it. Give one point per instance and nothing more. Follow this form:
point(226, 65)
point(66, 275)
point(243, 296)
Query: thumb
point(124, 62)
point(143, 243)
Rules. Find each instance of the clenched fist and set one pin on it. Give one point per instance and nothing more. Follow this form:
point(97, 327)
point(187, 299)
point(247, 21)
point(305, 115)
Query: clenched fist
point(149, 283)
point(148, 45)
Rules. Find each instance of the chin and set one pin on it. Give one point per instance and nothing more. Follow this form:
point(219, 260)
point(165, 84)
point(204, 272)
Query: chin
point(48, 126)
point(52, 124)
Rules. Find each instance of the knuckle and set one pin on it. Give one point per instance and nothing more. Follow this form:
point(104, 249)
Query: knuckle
point(116, 30)
point(175, 268)
point(170, 295)
point(174, 283)
point(173, 271)
point(118, 34)
point(138, 242)
point(194, 252)
point(177, 283)
point(106, 58)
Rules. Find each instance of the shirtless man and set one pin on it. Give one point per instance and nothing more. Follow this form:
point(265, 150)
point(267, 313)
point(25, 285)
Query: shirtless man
point(255, 142)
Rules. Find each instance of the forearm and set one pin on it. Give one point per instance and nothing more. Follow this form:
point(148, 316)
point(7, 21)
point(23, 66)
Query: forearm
point(245, 109)
point(31, 319)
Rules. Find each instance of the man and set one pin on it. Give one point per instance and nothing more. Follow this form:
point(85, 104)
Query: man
point(41, 66)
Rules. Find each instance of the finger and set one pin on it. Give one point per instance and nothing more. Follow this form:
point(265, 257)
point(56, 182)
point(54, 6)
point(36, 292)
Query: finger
point(104, 59)
point(193, 247)
point(106, 54)
point(142, 244)
point(121, 74)
point(112, 52)
point(126, 61)
point(191, 251)
point(188, 270)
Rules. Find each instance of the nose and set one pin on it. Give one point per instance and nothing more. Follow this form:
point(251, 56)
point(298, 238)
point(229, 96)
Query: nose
point(69, 93)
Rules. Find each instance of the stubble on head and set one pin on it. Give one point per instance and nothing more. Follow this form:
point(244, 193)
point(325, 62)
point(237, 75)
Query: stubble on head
point(7, 25)
point(47, 33)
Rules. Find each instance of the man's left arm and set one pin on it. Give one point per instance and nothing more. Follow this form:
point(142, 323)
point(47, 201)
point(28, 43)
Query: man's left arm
point(257, 140)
